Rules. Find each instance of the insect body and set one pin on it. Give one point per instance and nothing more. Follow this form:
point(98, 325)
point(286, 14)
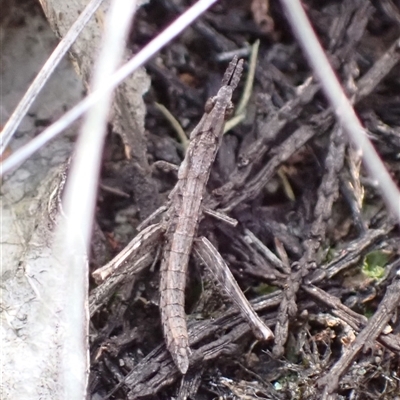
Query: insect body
point(183, 216)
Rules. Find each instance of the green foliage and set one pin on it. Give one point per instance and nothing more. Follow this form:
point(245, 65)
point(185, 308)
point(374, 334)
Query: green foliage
point(374, 264)
point(264, 288)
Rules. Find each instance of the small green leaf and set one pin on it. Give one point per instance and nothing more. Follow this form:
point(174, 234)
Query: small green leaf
point(263, 289)
point(374, 264)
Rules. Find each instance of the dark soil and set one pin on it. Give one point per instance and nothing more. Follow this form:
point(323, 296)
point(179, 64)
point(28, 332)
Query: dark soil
point(289, 176)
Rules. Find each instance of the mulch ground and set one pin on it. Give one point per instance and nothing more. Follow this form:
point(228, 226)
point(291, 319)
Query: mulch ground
point(330, 290)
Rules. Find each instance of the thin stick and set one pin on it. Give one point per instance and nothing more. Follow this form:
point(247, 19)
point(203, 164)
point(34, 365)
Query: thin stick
point(174, 123)
point(240, 112)
point(72, 237)
point(216, 264)
point(140, 58)
point(140, 244)
point(340, 103)
point(44, 74)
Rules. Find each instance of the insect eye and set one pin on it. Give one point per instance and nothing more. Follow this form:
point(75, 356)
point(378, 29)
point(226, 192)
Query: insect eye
point(229, 111)
point(209, 105)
